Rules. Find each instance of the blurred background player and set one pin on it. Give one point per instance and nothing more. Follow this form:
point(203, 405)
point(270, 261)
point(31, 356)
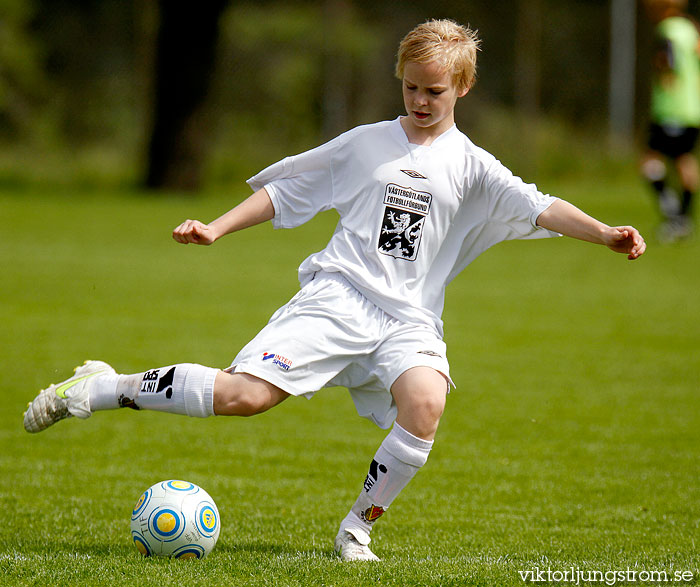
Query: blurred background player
point(675, 114)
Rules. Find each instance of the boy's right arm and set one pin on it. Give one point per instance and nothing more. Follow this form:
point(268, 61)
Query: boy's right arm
point(254, 210)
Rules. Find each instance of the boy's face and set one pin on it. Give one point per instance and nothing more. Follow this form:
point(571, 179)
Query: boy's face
point(429, 96)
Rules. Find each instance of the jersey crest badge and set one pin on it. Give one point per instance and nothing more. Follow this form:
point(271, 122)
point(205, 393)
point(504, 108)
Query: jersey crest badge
point(402, 225)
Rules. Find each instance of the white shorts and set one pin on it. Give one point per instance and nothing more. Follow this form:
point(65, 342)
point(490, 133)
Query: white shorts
point(329, 335)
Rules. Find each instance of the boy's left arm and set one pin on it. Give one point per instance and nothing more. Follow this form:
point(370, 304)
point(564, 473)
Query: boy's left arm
point(568, 220)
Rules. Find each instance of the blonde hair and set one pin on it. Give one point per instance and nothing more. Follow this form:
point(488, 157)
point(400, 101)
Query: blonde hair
point(452, 45)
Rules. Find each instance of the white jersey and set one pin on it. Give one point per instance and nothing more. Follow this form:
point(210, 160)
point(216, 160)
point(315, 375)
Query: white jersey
point(411, 216)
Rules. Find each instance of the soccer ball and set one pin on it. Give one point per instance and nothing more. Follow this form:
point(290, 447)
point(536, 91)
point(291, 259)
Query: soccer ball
point(176, 519)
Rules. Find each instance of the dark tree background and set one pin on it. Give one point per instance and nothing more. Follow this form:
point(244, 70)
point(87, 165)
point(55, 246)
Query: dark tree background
point(177, 89)
point(185, 61)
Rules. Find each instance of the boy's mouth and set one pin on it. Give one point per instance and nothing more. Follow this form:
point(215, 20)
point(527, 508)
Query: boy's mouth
point(420, 115)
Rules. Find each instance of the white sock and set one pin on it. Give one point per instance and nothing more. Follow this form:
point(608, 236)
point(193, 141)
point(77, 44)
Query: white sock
point(102, 392)
point(185, 388)
point(398, 459)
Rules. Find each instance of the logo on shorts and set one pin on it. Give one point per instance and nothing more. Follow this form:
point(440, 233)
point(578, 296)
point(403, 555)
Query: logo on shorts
point(430, 354)
point(279, 360)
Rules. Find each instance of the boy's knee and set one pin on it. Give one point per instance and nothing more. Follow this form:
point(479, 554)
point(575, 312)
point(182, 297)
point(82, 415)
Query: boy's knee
point(429, 405)
point(420, 396)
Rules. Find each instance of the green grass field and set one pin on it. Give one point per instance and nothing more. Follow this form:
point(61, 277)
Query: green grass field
point(572, 441)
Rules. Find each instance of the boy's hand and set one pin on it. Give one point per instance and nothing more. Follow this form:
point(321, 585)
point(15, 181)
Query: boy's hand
point(567, 219)
point(627, 240)
point(194, 231)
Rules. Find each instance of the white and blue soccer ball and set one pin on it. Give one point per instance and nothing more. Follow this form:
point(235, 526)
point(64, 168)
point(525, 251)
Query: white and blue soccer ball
point(177, 519)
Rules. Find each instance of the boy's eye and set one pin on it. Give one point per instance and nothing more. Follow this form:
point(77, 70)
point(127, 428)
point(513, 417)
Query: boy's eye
point(409, 87)
point(436, 92)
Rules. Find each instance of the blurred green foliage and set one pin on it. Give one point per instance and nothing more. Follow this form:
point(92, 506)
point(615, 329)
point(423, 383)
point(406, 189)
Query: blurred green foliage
point(279, 70)
point(76, 80)
point(22, 78)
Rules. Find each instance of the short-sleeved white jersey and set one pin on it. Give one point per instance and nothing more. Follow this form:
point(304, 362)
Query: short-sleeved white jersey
point(411, 216)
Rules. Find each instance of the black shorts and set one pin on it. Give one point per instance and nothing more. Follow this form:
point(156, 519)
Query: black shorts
point(672, 141)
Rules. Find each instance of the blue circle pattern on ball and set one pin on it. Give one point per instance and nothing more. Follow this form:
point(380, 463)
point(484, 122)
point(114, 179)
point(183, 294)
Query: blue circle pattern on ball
point(166, 535)
point(207, 520)
point(182, 486)
point(142, 503)
point(189, 551)
point(141, 544)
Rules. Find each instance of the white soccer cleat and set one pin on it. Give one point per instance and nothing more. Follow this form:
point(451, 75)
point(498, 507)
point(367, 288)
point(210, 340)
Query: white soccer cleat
point(352, 545)
point(65, 399)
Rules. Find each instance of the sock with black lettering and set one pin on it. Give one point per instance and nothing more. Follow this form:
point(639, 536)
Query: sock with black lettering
point(185, 388)
point(398, 459)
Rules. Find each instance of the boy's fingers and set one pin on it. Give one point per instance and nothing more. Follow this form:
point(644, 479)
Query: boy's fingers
point(624, 232)
point(177, 234)
point(627, 239)
point(195, 234)
point(188, 232)
point(638, 246)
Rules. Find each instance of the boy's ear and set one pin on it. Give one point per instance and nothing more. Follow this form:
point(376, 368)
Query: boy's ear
point(463, 93)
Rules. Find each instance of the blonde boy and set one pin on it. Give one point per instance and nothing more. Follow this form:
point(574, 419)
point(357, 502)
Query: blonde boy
point(417, 203)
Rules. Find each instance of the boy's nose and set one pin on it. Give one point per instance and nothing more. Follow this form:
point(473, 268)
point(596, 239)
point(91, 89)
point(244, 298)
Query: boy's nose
point(421, 99)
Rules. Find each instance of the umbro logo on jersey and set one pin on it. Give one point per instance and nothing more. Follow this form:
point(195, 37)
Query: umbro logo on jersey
point(413, 174)
point(430, 353)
